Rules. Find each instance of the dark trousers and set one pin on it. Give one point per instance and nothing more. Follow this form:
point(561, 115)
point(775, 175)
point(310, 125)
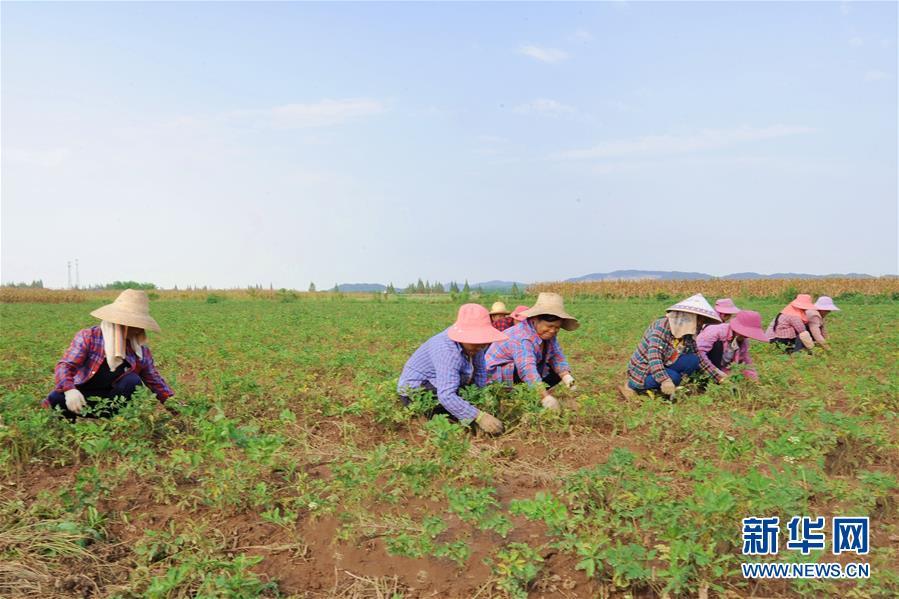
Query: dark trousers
point(789, 345)
point(436, 410)
point(550, 380)
point(685, 364)
point(716, 354)
point(122, 387)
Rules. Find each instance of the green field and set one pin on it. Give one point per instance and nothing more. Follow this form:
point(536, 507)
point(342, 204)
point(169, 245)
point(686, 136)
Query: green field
point(293, 472)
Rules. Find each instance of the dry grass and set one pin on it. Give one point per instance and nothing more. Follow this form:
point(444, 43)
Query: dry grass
point(716, 288)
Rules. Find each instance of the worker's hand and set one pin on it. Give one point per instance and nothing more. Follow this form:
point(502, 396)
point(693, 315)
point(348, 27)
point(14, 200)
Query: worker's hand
point(824, 346)
point(489, 424)
point(668, 387)
point(550, 403)
point(806, 339)
point(723, 379)
point(74, 400)
point(569, 381)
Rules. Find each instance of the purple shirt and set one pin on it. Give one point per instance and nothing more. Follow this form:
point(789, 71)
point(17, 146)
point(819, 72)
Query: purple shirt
point(721, 332)
point(523, 351)
point(442, 362)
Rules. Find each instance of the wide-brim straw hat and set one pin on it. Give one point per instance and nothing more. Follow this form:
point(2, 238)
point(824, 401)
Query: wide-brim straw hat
point(473, 326)
point(726, 305)
point(498, 308)
point(517, 313)
point(803, 301)
point(696, 304)
point(554, 305)
point(748, 324)
point(826, 303)
point(131, 308)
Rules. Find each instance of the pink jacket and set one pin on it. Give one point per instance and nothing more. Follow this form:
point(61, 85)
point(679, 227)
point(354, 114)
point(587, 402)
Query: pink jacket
point(721, 332)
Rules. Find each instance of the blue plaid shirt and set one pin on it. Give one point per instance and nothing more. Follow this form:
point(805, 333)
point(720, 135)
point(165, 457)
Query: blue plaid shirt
point(441, 362)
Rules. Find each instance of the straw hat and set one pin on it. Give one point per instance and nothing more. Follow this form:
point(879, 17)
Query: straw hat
point(473, 326)
point(696, 304)
point(826, 303)
point(131, 308)
point(725, 305)
point(748, 324)
point(552, 304)
point(516, 313)
point(498, 308)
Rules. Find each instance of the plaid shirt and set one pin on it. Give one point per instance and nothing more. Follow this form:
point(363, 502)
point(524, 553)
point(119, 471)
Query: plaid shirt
point(659, 348)
point(723, 333)
point(523, 351)
point(86, 354)
point(442, 362)
point(789, 326)
point(506, 322)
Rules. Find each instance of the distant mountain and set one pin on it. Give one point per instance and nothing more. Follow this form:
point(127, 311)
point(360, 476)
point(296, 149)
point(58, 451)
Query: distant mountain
point(636, 275)
point(499, 285)
point(362, 288)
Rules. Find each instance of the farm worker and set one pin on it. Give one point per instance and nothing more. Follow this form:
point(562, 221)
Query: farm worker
point(452, 359)
point(823, 306)
point(668, 352)
point(790, 327)
point(726, 308)
point(728, 343)
point(109, 360)
point(499, 317)
point(516, 313)
point(532, 353)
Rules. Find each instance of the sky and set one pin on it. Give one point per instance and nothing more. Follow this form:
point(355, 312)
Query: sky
point(235, 144)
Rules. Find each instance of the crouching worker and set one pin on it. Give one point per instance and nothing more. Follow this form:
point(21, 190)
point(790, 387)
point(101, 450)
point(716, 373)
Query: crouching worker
point(667, 352)
point(109, 360)
point(728, 343)
point(823, 306)
point(789, 329)
point(453, 359)
point(500, 318)
point(532, 353)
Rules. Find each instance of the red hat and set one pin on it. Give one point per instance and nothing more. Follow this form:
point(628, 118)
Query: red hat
point(516, 313)
point(473, 326)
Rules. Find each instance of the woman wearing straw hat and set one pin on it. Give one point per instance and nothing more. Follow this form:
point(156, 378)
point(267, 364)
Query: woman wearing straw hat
point(725, 307)
point(499, 317)
point(823, 306)
point(668, 352)
point(532, 353)
point(728, 343)
point(450, 360)
point(109, 360)
point(789, 329)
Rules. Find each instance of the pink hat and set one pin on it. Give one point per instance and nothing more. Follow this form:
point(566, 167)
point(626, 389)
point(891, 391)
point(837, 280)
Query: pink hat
point(803, 301)
point(473, 326)
point(826, 303)
point(726, 306)
point(516, 313)
point(748, 324)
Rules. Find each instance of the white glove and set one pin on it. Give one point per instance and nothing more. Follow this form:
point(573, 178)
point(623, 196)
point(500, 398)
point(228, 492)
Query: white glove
point(569, 381)
point(74, 400)
point(668, 387)
point(550, 403)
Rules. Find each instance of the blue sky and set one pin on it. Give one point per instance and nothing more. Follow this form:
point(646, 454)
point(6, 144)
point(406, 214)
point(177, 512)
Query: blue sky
point(234, 144)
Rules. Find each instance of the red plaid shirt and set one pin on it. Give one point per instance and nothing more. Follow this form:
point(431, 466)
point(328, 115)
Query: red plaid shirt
point(86, 354)
point(506, 322)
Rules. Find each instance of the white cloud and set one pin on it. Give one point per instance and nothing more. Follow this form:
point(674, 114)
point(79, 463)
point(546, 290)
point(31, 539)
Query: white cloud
point(581, 35)
point(544, 106)
point(548, 55)
point(323, 113)
point(660, 145)
point(875, 75)
point(46, 158)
